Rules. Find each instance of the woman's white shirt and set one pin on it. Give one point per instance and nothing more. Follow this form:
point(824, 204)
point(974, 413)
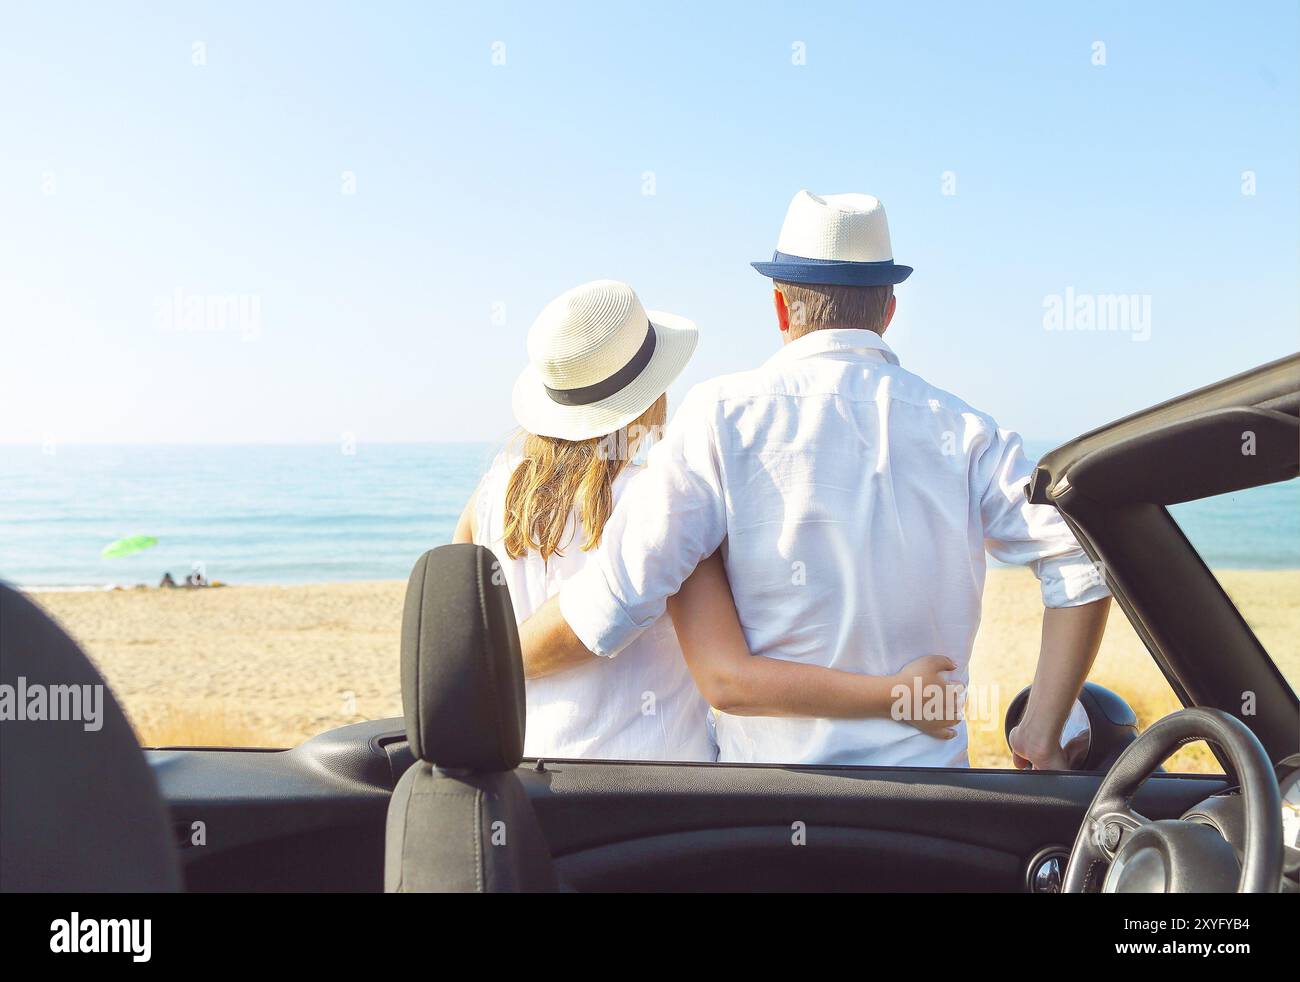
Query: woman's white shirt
point(642, 705)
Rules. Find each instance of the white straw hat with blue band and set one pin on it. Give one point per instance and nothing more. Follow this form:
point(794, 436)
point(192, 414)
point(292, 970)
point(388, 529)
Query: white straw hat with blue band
point(598, 360)
point(836, 239)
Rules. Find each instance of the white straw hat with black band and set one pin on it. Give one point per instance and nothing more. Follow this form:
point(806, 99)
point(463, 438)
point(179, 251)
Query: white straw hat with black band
point(598, 360)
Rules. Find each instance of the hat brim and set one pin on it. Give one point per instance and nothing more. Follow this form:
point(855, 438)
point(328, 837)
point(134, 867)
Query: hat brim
point(675, 341)
point(833, 273)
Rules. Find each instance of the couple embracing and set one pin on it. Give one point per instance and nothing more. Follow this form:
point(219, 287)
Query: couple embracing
point(799, 554)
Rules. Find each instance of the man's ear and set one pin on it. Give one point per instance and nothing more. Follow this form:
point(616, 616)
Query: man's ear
point(782, 311)
point(889, 313)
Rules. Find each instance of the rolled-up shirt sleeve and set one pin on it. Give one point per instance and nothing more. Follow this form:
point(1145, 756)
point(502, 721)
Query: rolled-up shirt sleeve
point(1024, 534)
point(669, 517)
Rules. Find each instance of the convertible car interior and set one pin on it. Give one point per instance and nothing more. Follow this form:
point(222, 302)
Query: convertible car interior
point(444, 801)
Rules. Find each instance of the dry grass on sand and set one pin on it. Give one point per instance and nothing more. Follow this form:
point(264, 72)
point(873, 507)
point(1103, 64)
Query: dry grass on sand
point(271, 666)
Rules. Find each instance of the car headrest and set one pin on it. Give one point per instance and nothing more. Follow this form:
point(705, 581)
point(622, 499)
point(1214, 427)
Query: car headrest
point(79, 806)
point(462, 671)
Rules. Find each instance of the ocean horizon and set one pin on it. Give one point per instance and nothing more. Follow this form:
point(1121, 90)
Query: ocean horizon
point(319, 513)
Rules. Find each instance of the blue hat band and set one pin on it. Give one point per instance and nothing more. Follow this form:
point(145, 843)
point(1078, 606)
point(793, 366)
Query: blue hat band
point(833, 272)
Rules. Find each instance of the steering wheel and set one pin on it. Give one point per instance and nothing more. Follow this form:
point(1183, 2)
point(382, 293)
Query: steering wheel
point(1121, 852)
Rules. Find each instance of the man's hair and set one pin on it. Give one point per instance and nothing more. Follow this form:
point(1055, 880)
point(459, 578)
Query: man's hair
point(818, 306)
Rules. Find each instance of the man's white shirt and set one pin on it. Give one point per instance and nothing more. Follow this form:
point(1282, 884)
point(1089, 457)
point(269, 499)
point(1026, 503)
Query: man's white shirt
point(855, 503)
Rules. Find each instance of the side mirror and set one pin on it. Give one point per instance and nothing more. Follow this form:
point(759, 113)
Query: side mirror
point(1100, 725)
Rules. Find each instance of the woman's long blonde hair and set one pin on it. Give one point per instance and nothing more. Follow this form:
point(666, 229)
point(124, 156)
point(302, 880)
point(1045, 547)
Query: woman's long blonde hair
point(558, 478)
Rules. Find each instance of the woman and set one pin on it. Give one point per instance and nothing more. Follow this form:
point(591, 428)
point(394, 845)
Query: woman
point(591, 398)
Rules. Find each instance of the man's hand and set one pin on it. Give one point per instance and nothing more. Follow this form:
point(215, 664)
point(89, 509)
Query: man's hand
point(1071, 637)
point(925, 696)
point(1041, 755)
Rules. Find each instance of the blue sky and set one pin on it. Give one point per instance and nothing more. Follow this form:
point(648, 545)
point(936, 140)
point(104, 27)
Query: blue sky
point(398, 312)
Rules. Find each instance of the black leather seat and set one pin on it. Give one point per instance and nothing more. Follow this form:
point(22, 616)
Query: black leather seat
point(459, 820)
point(79, 808)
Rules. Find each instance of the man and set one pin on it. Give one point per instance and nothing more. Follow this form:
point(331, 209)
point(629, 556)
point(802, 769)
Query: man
point(853, 503)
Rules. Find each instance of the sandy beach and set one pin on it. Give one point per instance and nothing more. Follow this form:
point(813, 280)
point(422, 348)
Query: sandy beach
point(270, 666)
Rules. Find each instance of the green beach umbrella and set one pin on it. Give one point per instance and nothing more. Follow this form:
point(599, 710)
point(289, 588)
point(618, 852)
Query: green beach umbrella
point(129, 545)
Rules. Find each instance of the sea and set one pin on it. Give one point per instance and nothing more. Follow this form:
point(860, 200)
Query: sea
point(331, 513)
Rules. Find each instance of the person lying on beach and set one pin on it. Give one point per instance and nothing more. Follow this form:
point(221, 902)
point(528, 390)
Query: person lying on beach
point(593, 393)
point(853, 503)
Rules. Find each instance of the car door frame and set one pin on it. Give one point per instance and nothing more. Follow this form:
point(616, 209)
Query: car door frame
point(1113, 487)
